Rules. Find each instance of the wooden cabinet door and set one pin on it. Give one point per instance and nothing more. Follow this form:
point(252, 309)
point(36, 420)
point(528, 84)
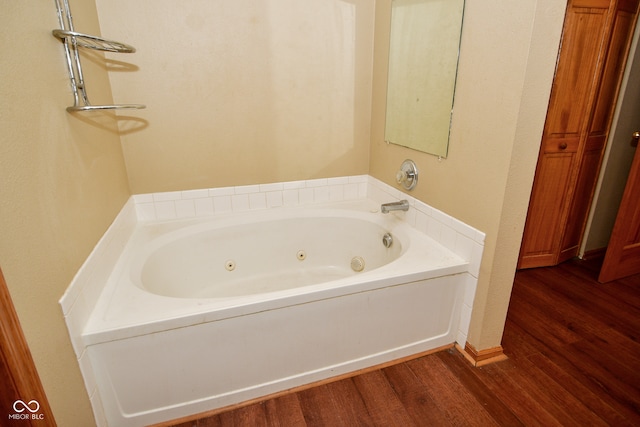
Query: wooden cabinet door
point(623, 26)
point(595, 44)
point(569, 106)
point(549, 203)
point(623, 253)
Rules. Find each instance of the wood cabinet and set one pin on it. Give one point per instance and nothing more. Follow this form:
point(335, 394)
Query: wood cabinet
point(593, 51)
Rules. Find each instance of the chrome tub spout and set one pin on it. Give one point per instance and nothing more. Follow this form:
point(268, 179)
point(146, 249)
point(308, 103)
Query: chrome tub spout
point(402, 205)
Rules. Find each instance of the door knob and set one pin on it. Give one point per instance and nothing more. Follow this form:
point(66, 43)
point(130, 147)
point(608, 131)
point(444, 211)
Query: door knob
point(635, 137)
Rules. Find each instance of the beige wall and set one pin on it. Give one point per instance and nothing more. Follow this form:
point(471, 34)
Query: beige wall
point(244, 92)
point(62, 182)
point(506, 67)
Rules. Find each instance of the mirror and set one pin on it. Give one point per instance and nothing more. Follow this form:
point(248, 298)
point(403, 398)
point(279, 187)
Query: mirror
point(423, 63)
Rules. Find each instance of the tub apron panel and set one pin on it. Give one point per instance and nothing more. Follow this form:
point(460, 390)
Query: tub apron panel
point(178, 372)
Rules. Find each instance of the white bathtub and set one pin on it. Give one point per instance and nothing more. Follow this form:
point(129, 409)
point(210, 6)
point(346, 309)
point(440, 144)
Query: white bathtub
point(203, 313)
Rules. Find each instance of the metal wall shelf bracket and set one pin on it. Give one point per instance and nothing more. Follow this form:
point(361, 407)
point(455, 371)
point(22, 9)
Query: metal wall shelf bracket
point(73, 40)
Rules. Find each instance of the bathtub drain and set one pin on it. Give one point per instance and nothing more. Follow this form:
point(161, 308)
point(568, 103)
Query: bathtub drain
point(230, 265)
point(357, 263)
point(301, 255)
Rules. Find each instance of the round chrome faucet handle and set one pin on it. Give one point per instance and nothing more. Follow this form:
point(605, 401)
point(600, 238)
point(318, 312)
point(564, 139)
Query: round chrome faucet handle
point(407, 176)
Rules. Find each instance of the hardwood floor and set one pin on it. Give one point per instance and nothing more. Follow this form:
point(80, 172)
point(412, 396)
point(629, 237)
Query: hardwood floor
point(574, 360)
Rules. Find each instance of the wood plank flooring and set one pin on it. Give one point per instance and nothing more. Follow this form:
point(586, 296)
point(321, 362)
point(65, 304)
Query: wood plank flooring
point(574, 360)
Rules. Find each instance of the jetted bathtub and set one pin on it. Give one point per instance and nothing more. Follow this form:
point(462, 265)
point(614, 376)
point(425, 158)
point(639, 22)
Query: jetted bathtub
point(203, 313)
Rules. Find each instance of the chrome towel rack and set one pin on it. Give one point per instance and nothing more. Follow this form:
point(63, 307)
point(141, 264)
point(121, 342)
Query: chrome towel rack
point(73, 40)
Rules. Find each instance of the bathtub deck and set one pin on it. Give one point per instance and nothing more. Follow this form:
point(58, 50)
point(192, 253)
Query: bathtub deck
point(572, 350)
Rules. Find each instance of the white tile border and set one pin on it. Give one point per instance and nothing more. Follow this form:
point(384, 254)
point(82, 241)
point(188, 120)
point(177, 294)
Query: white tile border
point(202, 202)
point(82, 294)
